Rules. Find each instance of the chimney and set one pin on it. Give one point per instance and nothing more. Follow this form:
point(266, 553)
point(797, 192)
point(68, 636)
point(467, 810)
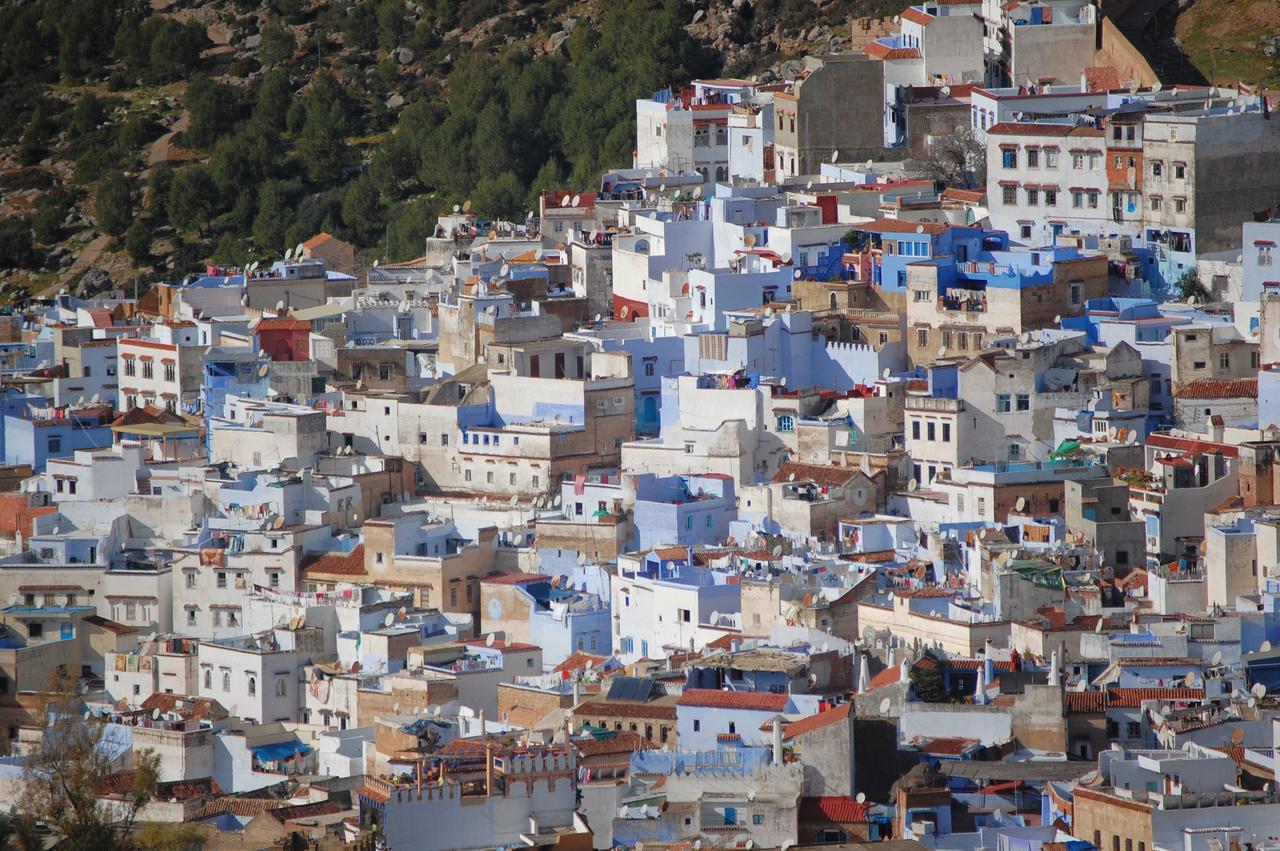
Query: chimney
point(777, 741)
point(864, 675)
point(1054, 674)
point(576, 691)
point(480, 717)
point(980, 693)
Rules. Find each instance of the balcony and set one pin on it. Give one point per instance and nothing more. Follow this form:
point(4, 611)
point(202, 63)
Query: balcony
point(935, 403)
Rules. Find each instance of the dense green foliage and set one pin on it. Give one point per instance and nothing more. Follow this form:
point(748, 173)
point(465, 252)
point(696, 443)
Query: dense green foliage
point(364, 121)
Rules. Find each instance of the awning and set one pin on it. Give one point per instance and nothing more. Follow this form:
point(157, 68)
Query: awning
point(280, 752)
point(1065, 448)
point(1058, 377)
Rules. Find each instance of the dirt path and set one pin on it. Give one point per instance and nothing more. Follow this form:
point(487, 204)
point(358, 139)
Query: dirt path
point(85, 260)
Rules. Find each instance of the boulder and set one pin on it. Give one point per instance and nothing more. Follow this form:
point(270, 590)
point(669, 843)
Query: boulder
point(403, 55)
point(556, 42)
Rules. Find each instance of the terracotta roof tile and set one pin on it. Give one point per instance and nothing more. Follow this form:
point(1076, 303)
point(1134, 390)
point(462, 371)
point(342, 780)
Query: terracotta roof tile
point(1133, 697)
point(916, 16)
point(337, 564)
point(625, 709)
point(308, 810)
point(624, 742)
point(817, 722)
point(1084, 701)
point(578, 661)
point(1027, 129)
point(947, 745)
point(749, 701)
point(887, 677)
point(820, 474)
point(514, 578)
point(836, 809)
point(1219, 388)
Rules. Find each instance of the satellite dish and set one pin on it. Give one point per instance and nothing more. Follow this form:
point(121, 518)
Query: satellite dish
point(1133, 438)
point(884, 706)
point(466, 206)
point(835, 156)
point(1189, 680)
point(1217, 657)
point(1098, 627)
point(749, 240)
point(515, 497)
point(1157, 86)
point(945, 91)
point(395, 707)
point(919, 228)
point(488, 640)
point(297, 251)
point(288, 254)
point(913, 485)
point(1021, 504)
point(155, 714)
point(1237, 736)
point(577, 200)
point(457, 209)
point(389, 619)
point(942, 351)
point(862, 798)
point(777, 550)
point(279, 524)
point(1258, 690)
point(886, 373)
point(263, 370)
point(564, 202)
point(505, 270)
point(1111, 434)
point(1057, 320)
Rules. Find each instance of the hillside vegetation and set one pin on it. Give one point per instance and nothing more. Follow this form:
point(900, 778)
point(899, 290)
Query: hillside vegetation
point(141, 139)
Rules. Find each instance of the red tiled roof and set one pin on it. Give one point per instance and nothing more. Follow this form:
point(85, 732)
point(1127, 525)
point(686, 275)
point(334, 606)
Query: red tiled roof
point(110, 625)
point(625, 709)
point(901, 226)
point(577, 661)
point(820, 474)
point(815, 722)
point(1219, 388)
point(187, 707)
point(1027, 129)
point(625, 742)
point(947, 746)
point(1161, 440)
point(338, 564)
point(285, 324)
point(836, 809)
point(887, 677)
point(668, 553)
point(122, 782)
point(750, 701)
point(308, 810)
point(1084, 701)
point(1133, 697)
point(884, 51)
point(318, 240)
point(499, 644)
point(514, 578)
point(974, 195)
point(916, 16)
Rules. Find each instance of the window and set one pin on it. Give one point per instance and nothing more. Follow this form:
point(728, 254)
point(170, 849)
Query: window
point(1076, 292)
point(1009, 195)
point(253, 686)
point(1009, 157)
point(922, 337)
point(1050, 198)
point(915, 429)
point(1077, 162)
point(648, 367)
point(1033, 157)
point(1179, 205)
point(169, 372)
point(466, 475)
point(273, 578)
point(1179, 171)
point(1134, 729)
point(191, 617)
point(282, 688)
point(55, 445)
point(921, 295)
point(946, 432)
point(786, 422)
point(208, 679)
point(222, 579)
point(931, 429)
point(1002, 403)
point(1117, 162)
point(148, 369)
point(1025, 231)
point(1093, 200)
point(697, 725)
point(1077, 199)
point(130, 366)
point(1264, 255)
point(1023, 401)
point(982, 506)
point(226, 681)
point(1050, 157)
point(1156, 202)
point(1224, 360)
point(1157, 168)
point(1033, 197)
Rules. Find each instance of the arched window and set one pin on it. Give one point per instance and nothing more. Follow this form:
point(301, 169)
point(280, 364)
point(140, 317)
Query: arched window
point(834, 302)
point(721, 173)
point(281, 688)
point(226, 681)
point(208, 679)
point(733, 728)
point(786, 422)
point(253, 685)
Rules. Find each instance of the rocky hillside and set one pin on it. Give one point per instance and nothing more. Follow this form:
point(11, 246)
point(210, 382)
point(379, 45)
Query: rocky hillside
point(1229, 41)
point(142, 140)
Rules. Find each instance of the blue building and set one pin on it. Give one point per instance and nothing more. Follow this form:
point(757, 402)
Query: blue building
point(884, 248)
point(231, 371)
point(35, 441)
point(683, 511)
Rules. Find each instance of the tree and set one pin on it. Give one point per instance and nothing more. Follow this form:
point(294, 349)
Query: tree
point(85, 116)
point(277, 43)
point(113, 204)
point(191, 198)
point(137, 242)
point(274, 216)
point(15, 244)
point(65, 779)
point(1191, 287)
point(360, 29)
point(321, 146)
point(213, 109)
point(926, 682)
point(51, 212)
point(957, 159)
point(362, 210)
point(500, 197)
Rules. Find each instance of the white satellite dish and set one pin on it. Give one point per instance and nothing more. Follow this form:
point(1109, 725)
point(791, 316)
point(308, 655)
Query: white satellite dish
point(395, 707)
point(945, 91)
point(505, 270)
point(886, 372)
point(913, 485)
point(297, 251)
point(457, 209)
point(1021, 504)
point(155, 714)
point(564, 202)
point(577, 201)
point(862, 798)
point(288, 254)
point(1189, 680)
point(1132, 438)
point(919, 228)
point(466, 206)
point(1111, 433)
point(884, 706)
point(488, 640)
point(1057, 320)
point(942, 351)
point(835, 156)
point(777, 550)
point(389, 619)
point(1259, 690)
point(1265, 648)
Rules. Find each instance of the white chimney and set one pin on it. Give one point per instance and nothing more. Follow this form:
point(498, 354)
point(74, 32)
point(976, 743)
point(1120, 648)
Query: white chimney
point(1054, 674)
point(777, 741)
point(864, 675)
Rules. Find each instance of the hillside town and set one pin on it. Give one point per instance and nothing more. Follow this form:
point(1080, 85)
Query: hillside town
point(888, 456)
